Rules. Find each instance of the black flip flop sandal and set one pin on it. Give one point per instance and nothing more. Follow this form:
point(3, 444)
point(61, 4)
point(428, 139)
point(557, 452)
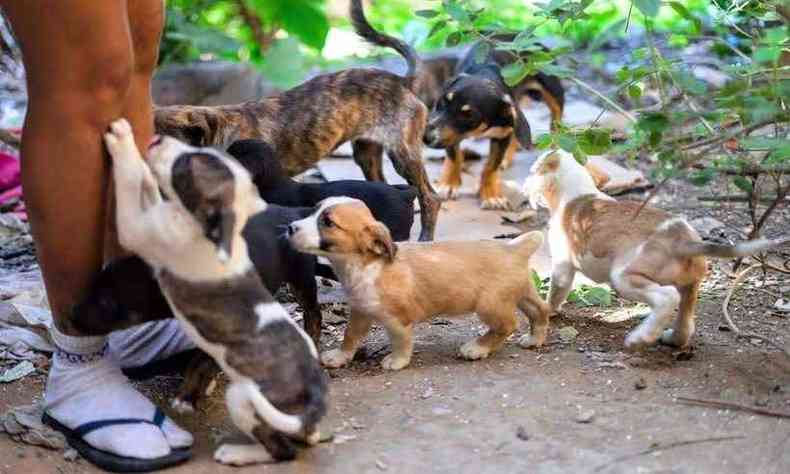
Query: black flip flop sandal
point(113, 462)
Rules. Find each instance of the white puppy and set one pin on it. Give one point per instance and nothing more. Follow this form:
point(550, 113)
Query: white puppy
point(647, 254)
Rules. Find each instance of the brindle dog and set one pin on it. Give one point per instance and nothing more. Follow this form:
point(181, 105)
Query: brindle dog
point(307, 122)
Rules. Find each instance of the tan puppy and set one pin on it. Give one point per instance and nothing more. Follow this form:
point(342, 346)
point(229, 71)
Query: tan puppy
point(398, 286)
point(649, 255)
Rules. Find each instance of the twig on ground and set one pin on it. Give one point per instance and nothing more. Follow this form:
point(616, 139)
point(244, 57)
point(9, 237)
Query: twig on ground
point(659, 447)
point(608, 101)
point(733, 406)
point(728, 319)
point(736, 198)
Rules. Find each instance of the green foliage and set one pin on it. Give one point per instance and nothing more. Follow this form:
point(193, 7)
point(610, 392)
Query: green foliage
point(583, 295)
point(589, 295)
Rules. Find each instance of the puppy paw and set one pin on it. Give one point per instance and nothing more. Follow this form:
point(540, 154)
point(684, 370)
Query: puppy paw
point(313, 438)
point(447, 191)
point(394, 363)
point(472, 350)
point(120, 140)
point(241, 454)
point(495, 203)
point(531, 342)
point(335, 358)
point(672, 339)
point(182, 406)
point(637, 341)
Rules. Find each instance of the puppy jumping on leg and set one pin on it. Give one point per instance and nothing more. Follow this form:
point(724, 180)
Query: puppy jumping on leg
point(398, 285)
point(193, 241)
point(647, 254)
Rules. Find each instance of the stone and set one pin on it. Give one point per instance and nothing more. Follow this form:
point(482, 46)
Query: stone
point(586, 416)
point(568, 334)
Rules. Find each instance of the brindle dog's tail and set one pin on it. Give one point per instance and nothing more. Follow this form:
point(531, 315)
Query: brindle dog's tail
point(363, 29)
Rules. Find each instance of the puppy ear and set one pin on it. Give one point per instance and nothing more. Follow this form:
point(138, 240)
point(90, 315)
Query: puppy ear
point(206, 189)
point(521, 127)
point(378, 241)
point(218, 228)
point(599, 176)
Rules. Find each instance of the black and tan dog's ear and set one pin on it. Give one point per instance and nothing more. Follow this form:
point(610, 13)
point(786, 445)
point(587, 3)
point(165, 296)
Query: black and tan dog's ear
point(378, 241)
point(521, 126)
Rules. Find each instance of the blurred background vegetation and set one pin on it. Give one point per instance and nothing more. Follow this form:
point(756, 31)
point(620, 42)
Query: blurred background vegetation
point(644, 59)
point(287, 38)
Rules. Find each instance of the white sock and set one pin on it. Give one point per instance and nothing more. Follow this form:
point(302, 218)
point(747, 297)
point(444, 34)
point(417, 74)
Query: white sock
point(86, 385)
point(149, 342)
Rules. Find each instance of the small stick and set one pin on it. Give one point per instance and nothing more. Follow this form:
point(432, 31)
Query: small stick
point(728, 319)
point(657, 448)
point(733, 406)
point(737, 198)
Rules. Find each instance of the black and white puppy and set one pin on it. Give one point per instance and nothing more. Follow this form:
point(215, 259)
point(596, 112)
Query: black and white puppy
point(392, 205)
point(193, 241)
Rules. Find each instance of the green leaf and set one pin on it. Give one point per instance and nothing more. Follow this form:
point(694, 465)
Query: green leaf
point(426, 13)
point(634, 91)
point(481, 52)
point(567, 143)
point(457, 12)
point(557, 70)
point(544, 141)
point(653, 122)
point(649, 8)
point(685, 13)
point(743, 184)
point(437, 27)
point(702, 177)
point(306, 21)
point(767, 54)
point(513, 73)
point(453, 39)
point(595, 141)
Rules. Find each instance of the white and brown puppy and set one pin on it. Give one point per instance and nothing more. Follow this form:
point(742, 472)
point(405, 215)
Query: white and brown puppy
point(193, 241)
point(647, 255)
point(400, 285)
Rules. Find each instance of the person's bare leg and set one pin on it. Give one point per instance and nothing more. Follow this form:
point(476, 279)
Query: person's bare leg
point(79, 62)
point(146, 20)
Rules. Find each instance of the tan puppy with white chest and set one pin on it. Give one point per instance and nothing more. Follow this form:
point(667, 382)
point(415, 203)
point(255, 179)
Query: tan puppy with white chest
point(398, 286)
point(647, 255)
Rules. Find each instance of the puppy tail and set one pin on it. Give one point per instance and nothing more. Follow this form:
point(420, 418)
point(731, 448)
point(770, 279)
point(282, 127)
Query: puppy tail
point(289, 424)
point(364, 30)
point(526, 244)
point(743, 249)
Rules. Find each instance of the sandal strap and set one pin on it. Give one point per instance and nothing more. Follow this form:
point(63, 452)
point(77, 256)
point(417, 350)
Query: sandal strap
point(84, 429)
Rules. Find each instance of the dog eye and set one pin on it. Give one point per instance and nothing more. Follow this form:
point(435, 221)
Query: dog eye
point(326, 221)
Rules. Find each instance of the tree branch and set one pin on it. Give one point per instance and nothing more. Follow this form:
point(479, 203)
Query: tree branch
point(263, 37)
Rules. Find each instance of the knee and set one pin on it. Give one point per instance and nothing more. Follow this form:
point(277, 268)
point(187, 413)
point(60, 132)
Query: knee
point(105, 84)
point(146, 48)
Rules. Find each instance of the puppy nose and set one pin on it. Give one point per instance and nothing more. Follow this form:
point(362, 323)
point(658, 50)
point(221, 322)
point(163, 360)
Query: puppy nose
point(291, 229)
point(429, 137)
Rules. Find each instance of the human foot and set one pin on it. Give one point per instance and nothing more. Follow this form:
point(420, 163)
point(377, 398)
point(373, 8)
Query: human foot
point(105, 418)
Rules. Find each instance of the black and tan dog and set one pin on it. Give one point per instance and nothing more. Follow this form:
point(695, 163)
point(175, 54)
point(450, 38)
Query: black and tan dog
point(306, 123)
point(478, 103)
point(193, 240)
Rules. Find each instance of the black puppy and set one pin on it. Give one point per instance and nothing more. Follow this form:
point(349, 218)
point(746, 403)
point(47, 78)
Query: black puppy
point(478, 103)
point(392, 205)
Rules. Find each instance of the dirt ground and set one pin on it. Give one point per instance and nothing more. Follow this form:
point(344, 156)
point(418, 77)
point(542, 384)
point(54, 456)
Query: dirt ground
point(578, 406)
